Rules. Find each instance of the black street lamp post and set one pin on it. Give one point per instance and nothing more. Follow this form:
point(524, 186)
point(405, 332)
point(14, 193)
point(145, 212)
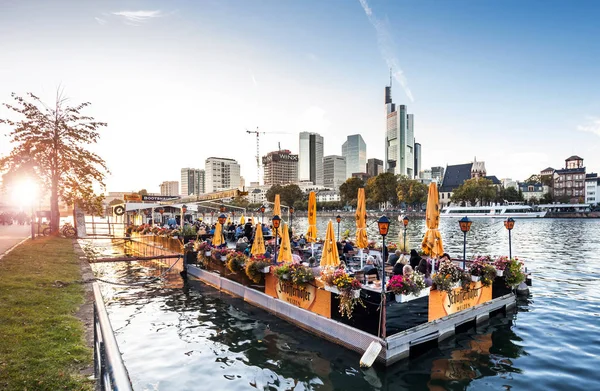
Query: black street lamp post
point(338, 219)
point(291, 220)
point(276, 222)
point(509, 224)
point(465, 226)
point(405, 223)
point(384, 225)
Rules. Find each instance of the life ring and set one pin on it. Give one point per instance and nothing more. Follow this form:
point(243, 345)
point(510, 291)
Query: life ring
point(119, 210)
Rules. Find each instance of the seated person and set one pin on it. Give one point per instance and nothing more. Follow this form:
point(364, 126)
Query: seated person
point(239, 232)
point(394, 257)
point(241, 244)
point(415, 258)
point(425, 270)
point(369, 268)
point(399, 267)
point(407, 271)
point(302, 241)
point(347, 247)
point(268, 253)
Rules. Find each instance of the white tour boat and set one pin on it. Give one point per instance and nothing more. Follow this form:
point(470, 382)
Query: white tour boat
point(494, 211)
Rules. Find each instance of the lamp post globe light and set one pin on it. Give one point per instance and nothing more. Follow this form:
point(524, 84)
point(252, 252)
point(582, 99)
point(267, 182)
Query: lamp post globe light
point(509, 224)
point(276, 222)
point(405, 224)
point(338, 218)
point(465, 226)
point(384, 225)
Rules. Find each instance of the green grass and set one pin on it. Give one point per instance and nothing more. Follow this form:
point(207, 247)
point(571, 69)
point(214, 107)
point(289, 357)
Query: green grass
point(42, 343)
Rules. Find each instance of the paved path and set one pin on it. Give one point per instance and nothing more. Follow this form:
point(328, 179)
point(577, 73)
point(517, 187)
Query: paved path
point(11, 235)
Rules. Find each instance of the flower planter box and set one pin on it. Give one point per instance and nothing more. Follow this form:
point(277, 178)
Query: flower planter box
point(499, 273)
point(266, 269)
point(475, 278)
point(405, 298)
point(332, 289)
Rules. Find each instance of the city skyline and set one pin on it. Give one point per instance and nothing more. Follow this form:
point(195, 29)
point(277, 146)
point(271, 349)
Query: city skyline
point(481, 79)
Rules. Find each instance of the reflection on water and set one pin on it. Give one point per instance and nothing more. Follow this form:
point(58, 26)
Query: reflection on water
point(189, 337)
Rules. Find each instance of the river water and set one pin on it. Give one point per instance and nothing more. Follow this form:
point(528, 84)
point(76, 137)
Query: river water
point(191, 337)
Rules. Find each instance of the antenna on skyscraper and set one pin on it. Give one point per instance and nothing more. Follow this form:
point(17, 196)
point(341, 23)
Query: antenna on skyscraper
point(390, 78)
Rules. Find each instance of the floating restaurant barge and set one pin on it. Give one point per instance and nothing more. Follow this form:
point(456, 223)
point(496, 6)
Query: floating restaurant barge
point(432, 316)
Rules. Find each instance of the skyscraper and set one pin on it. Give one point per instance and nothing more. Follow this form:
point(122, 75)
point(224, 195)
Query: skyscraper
point(437, 173)
point(310, 159)
point(374, 167)
point(192, 181)
point(280, 168)
point(221, 174)
point(355, 152)
point(334, 171)
point(417, 165)
point(399, 138)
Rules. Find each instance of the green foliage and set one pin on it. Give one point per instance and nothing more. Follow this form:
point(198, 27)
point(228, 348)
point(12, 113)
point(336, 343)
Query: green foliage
point(273, 190)
point(189, 230)
point(254, 269)
point(382, 188)
point(349, 190)
point(288, 194)
point(411, 191)
point(475, 190)
point(513, 275)
point(42, 345)
point(242, 202)
point(509, 194)
point(51, 140)
point(283, 272)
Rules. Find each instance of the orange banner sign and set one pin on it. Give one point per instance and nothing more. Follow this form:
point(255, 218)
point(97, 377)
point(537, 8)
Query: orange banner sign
point(308, 297)
point(442, 304)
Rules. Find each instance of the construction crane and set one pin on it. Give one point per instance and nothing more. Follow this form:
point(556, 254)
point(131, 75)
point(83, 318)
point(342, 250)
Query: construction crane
point(258, 133)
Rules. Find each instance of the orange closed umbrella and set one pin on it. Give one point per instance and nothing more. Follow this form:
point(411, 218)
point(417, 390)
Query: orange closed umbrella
point(432, 242)
point(218, 235)
point(361, 222)
point(330, 256)
point(277, 206)
point(258, 246)
point(285, 250)
point(311, 234)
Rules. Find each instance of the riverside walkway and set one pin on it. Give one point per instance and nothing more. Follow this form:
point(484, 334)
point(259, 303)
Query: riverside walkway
point(11, 235)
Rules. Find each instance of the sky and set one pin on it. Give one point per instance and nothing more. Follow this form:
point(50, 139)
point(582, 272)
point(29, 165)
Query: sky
point(515, 84)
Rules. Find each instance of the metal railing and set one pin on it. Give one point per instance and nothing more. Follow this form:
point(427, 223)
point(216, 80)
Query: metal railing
point(109, 369)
